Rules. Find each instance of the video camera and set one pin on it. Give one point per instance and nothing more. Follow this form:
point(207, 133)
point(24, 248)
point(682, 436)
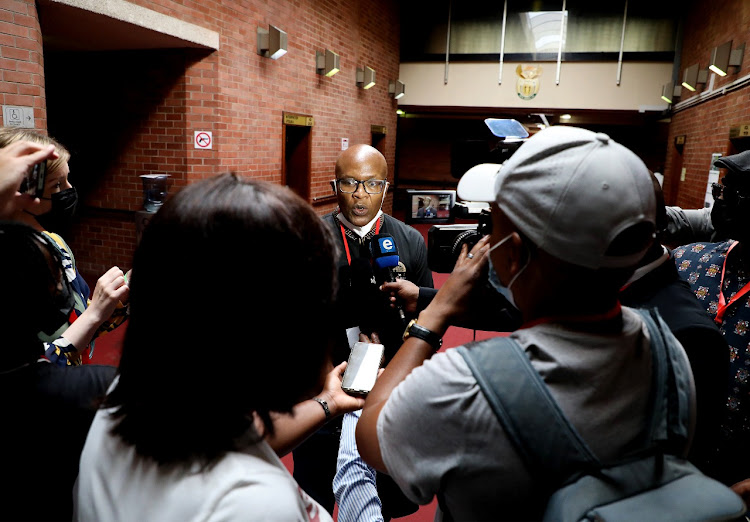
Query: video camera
point(444, 242)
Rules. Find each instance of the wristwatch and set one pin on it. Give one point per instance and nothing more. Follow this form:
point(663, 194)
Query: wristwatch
point(420, 332)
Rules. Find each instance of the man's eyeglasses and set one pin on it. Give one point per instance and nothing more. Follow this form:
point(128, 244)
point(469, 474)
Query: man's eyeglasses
point(350, 186)
point(729, 194)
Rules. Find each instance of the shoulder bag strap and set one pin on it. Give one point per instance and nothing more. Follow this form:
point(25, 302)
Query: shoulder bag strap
point(550, 447)
point(60, 244)
point(657, 418)
point(671, 392)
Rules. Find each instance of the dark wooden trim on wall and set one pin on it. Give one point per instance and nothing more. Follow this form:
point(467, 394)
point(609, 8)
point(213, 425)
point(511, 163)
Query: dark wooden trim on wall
point(652, 56)
point(578, 116)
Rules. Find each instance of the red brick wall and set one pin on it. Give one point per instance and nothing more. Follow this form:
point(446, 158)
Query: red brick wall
point(706, 125)
point(242, 96)
point(145, 105)
point(21, 63)
point(143, 96)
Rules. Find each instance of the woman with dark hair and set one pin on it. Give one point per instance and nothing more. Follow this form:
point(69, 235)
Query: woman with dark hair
point(229, 275)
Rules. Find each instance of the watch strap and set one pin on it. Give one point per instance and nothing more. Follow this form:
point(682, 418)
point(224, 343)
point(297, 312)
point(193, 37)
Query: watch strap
point(420, 332)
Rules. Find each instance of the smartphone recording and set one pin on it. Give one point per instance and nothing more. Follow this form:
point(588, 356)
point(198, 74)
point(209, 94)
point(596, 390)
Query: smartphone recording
point(33, 183)
point(362, 370)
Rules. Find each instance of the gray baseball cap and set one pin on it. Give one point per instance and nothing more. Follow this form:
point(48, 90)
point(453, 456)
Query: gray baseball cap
point(572, 192)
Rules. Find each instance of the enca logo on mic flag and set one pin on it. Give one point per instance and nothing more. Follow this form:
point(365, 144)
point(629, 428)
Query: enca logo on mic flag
point(386, 245)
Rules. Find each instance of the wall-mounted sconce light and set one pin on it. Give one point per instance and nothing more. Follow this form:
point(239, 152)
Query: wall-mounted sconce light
point(272, 42)
point(692, 76)
point(365, 77)
point(565, 116)
point(723, 57)
point(396, 89)
point(670, 91)
point(327, 63)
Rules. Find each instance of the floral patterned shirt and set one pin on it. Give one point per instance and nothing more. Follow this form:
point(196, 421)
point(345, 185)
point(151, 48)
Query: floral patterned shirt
point(701, 265)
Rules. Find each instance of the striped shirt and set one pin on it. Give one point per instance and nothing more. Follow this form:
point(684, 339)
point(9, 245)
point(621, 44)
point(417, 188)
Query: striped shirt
point(354, 483)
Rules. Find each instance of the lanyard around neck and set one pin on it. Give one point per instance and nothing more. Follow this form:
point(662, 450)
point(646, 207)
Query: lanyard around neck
point(346, 243)
point(723, 304)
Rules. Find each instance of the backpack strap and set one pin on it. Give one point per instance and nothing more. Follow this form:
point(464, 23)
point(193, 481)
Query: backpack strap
point(669, 421)
point(550, 447)
point(658, 411)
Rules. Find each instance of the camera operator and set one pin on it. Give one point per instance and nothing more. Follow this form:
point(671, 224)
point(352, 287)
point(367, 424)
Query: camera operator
point(563, 248)
point(487, 309)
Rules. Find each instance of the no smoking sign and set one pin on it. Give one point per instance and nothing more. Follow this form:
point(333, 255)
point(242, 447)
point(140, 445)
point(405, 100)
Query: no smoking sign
point(203, 140)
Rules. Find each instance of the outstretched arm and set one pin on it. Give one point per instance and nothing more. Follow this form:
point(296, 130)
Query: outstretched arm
point(110, 290)
point(307, 417)
point(449, 303)
point(488, 310)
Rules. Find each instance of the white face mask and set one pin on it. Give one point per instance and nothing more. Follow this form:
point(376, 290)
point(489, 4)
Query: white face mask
point(503, 290)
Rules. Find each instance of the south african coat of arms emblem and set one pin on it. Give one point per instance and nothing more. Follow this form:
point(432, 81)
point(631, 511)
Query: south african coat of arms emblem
point(527, 85)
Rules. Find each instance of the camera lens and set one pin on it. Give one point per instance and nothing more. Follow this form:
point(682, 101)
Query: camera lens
point(444, 244)
point(469, 237)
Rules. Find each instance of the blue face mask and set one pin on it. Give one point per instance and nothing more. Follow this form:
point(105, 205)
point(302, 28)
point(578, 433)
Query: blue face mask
point(495, 282)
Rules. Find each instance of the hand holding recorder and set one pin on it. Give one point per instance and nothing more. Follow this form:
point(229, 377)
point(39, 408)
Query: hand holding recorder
point(337, 399)
point(21, 166)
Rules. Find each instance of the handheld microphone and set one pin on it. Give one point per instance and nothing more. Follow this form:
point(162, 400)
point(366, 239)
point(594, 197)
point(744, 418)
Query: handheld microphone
point(385, 258)
point(384, 251)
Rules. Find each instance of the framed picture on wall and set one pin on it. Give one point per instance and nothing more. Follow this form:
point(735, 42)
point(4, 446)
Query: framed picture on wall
point(430, 206)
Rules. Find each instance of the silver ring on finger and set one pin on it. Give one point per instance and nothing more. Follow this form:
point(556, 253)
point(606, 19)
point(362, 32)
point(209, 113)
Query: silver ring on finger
point(470, 256)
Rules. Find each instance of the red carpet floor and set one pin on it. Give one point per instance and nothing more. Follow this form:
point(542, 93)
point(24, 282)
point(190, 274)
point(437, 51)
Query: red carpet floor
point(107, 351)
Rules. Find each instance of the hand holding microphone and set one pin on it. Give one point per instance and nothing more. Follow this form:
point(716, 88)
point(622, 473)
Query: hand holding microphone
point(402, 293)
point(385, 260)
